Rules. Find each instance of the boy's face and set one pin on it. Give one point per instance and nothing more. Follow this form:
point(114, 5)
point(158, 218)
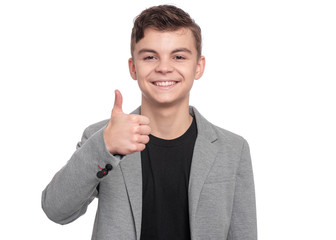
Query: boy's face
point(165, 65)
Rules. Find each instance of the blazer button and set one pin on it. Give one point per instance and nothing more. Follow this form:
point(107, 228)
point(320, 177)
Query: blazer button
point(100, 174)
point(104, 171)
point(108, 167)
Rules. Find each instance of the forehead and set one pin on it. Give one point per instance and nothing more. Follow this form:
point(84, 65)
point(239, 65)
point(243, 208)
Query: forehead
point(167, 40)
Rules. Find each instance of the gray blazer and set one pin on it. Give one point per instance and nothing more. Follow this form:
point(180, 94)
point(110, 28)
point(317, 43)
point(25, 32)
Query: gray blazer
point(221, 187)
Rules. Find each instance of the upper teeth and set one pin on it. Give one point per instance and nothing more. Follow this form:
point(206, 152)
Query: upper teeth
point(164, 83)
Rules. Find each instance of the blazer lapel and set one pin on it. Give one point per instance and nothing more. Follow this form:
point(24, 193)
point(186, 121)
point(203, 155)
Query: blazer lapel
point(203, 157)
point(132, 173)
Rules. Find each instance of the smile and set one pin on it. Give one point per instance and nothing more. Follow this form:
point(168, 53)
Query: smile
point(164, 83)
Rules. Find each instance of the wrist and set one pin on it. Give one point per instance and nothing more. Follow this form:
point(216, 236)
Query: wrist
point(108, 144)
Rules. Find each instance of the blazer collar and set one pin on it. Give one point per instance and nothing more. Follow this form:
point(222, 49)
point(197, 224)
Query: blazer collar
point(204, 127)
point(205, 152)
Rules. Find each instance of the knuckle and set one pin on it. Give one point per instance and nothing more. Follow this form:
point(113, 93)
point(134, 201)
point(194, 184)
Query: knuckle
point(135, 129)
point(146, 120)
point(134, 118)
point(135, 138)
point(143, 129)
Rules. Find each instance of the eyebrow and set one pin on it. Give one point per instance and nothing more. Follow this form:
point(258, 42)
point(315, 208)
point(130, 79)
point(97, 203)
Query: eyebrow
point(147, 50)
point(182, 50)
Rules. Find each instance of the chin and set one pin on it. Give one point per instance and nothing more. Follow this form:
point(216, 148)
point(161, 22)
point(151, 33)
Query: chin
point(163, 103)
point(166, 102)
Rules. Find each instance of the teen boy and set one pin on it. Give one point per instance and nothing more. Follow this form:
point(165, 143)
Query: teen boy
point(163, 172)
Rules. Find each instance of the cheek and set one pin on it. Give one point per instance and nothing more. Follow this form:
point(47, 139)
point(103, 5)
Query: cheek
point(188, 72)
point(142, 71)
point(141, 75)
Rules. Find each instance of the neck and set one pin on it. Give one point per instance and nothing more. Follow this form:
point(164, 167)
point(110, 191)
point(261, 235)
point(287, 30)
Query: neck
point(167, 122)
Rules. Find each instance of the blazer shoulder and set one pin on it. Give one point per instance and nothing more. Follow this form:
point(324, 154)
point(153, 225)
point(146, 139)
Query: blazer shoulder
point(212, 132)
point(228, 137)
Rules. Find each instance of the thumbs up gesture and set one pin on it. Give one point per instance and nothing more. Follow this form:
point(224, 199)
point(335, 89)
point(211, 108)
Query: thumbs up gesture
point(125, 133)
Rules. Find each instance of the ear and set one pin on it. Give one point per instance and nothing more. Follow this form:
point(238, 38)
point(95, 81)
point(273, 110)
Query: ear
point(200, 68)
point(131, 67)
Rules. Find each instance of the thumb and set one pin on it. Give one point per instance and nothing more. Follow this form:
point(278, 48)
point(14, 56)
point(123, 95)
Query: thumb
point(117, 102)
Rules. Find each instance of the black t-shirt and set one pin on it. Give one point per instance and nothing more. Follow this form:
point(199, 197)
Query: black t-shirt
point(165, 177)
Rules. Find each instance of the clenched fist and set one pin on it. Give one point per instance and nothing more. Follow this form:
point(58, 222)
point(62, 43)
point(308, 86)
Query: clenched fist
point(125, 133)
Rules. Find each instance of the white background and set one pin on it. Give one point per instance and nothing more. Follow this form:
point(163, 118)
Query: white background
point(270, 74)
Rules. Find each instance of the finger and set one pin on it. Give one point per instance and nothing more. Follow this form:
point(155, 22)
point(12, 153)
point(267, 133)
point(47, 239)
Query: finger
point(143, 139)
point(139, 119)
point(143, 120)
point(140, 147)
point(144, 130)
point(117, 102)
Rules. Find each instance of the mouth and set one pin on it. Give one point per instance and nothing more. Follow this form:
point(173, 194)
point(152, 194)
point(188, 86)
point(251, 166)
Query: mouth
point(164, 83)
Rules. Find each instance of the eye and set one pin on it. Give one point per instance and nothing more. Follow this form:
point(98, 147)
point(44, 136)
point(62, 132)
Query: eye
point(179, 57)
point(149, 58)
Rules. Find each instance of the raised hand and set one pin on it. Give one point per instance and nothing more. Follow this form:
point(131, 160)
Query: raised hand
point(125, 133)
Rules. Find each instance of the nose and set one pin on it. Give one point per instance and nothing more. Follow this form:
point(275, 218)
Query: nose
point(164, 66)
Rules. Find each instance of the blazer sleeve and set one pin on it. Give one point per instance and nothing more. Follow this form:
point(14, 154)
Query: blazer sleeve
point(73, 188)
point(243, 224)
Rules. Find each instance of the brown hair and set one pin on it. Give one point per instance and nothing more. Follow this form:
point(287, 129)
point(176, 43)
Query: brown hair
point(165, 18)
